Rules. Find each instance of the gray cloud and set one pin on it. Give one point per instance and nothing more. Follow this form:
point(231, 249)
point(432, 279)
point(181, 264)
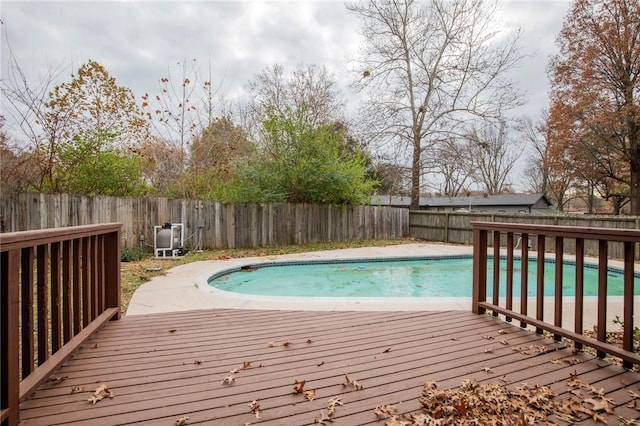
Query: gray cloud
point(137, 41)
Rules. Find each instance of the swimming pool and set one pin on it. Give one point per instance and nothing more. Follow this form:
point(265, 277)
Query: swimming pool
point(432, 277)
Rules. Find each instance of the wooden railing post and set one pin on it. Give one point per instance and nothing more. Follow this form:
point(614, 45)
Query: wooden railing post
point(496, 269)
point(557, 311)
point(9, 337)
point(479, 292)
point(629, 327)
point(112, 271)
point(524, 276)
point(602, 293)
point(579, 298)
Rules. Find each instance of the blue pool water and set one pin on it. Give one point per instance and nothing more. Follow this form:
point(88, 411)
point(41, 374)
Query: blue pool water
point(433, 277)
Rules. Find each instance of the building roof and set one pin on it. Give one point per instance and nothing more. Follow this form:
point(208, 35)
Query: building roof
point(462, 202)
point(488, 200)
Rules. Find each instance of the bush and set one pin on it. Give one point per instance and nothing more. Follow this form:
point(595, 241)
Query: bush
point(132, 255)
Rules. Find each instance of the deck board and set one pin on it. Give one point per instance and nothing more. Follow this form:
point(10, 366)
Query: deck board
point(164, 366)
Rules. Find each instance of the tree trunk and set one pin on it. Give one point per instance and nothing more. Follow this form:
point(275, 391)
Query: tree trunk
point(415, 175)
point(634, 166)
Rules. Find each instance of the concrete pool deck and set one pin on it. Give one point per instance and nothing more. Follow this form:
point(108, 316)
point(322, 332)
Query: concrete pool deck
point(185, 288)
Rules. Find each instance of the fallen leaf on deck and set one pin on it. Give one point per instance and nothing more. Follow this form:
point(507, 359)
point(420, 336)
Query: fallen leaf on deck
point(173, 330)
point(100, 393)
point(321, 364)
point(393, 421)
point(571, 361)
point(310, 394)
point(56, 380)
point(333, 403)
point(197, 362)
point(77, 389)
point(255, 408)
point(385, 411)
point(487, 336)
point(324, 416)
point(386, 351)
point(229, 379)
point(309, 341)
point(286, 344)
point(182, 421)
point(599, 405)
point(487, 370)
point(628, 422)
point(502, 331)
point(246, 365)
point(353, 383)
point(488, 351)
point(271, 344)
point(504, 341)
point(298, 387)
point(94, 346)
point(234, 371)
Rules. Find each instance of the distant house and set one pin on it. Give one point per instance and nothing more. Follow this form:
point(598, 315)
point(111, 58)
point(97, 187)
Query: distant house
point(506, 203)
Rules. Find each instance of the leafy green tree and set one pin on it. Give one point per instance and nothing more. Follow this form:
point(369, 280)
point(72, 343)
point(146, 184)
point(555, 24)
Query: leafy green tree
point(103, 171)
point(94, 115)
point(216, 155)
point(300, 162)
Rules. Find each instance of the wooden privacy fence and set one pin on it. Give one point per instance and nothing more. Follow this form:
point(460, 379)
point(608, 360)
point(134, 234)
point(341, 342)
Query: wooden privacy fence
point(456, 228)
point(208, 224)
point(71, 276)
point(560, 235)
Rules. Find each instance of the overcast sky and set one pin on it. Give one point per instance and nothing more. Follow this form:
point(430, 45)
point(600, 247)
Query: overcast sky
point(139, 41)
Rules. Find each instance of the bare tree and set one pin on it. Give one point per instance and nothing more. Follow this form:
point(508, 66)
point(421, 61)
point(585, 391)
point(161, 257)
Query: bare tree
point(547, 173)
point(14, 164)
point(494, 156)
point(308, 88)
point(184, 107)
point(537, 172)
point(451, 160)
point(428, 68)
point(26, 104)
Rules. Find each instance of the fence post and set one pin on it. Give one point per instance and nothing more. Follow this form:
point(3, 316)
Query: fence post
point(446, 227)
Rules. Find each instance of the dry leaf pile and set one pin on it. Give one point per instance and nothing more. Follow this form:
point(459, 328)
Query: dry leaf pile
point(493, 403)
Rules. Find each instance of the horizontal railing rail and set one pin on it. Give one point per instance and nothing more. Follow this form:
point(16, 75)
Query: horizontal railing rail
point(520, 235)
point(58, 286)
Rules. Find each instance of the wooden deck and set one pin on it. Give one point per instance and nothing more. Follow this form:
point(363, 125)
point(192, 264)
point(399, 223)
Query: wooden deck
point(166, 366)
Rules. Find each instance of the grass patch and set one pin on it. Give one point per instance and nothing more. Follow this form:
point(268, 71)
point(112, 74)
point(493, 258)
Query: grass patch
point(138, 272)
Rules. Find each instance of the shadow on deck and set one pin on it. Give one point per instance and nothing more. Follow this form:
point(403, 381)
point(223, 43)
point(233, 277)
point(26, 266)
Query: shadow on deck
point(162, 367)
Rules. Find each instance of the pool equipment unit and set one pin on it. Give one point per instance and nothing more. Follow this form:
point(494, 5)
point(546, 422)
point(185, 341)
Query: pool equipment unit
point(168, 240)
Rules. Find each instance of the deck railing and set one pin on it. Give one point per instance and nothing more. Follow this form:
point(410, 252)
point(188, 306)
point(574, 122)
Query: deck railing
point(57, 287)
point(521, 235)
